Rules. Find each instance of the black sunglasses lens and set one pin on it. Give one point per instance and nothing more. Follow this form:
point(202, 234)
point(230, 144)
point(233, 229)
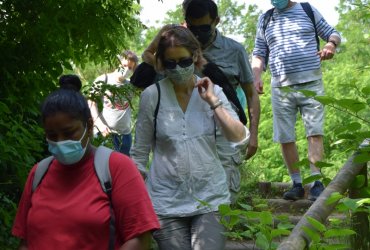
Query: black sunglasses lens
point(185, 62)
point(200, 28)
point(169, 64)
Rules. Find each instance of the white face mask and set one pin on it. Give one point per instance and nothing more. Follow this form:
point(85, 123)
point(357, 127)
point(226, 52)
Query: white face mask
point(68, 152)
point(179, 75)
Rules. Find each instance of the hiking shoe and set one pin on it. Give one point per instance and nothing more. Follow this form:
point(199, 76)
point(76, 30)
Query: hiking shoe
point(316, 190)
point(296, 193)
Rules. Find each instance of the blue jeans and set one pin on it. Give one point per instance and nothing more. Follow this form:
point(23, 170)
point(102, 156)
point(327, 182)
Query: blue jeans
point(122, 143)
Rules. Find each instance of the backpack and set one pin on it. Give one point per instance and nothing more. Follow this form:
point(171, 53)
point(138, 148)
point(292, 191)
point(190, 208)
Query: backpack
point(307, 9)
point(101, 165)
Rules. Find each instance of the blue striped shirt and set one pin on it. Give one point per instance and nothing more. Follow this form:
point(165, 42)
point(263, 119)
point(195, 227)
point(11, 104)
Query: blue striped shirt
point(290, 37)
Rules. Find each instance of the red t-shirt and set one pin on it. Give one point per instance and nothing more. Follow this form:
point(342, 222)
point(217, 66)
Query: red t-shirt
point(69, 209)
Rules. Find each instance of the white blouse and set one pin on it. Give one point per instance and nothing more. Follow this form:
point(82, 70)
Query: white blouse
point(185, 177)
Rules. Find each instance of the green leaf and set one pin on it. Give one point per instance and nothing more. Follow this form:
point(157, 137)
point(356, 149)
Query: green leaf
point(366, 90)
point(338, 232)
point(321, 164)
point(351, 104)
point(314, 236)
point(223, 209)
point(246, 207)
point(262, 242)
point(358, 182)
point(350, 203)
point(308, 93)
point(266, 218)
point(362, 157)
point(363, 201)
point(325, 100)
point(316, 224)
point(311, 178)
point(302, 163)
point(326, 181)
point(4, 108)
point(279, 232)
point(334, 197)
point(353, 126)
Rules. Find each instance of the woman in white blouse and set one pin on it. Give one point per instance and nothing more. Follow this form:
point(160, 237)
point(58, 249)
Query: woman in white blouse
point(185, 180)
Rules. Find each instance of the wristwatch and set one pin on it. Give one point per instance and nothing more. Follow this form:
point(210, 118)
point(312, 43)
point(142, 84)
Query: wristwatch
point(217, 104)
point(333, 42)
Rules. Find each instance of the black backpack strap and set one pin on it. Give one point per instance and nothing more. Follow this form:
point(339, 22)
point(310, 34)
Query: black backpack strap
point(267, 18)
point(156, 110)
point(41, 169)
point(309, 12)
point(216, 75)
point(101, 165)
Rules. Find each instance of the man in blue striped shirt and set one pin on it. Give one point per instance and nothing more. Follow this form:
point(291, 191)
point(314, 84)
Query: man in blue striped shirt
point(289, 44)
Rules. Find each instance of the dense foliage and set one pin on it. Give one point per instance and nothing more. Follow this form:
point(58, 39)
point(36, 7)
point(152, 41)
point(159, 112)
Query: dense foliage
point(38, 41)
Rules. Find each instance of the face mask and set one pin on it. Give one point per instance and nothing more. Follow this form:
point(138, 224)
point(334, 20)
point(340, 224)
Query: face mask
point(125, 71)
point(280, 4)
point(179, 75)
point(69, 151)
point(203, 33)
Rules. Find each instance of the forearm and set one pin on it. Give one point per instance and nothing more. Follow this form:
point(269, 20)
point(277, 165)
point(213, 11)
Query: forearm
point(232, 129)
point(335, 38)
point(257, 66)
point(254, 111)
point(141, 242)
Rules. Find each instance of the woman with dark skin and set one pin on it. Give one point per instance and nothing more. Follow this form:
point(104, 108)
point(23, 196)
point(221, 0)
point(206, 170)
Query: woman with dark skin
point(69, 209)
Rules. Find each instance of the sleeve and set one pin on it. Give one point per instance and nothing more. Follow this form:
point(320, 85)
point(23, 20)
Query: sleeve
point(260, 44)
point(20, 221)
point(144, 132)
point(132, 206)
point(324, 30)
point(246, 74)
point(226, 104)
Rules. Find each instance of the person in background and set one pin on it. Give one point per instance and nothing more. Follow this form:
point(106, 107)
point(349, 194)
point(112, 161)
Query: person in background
point(115, 119)
point(230, 56)
point(290, 46)
point(185, 181)
point(69, 209)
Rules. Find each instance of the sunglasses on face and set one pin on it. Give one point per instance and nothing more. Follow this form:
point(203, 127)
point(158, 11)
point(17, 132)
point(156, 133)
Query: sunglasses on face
point(183, 63)
point(200, 28)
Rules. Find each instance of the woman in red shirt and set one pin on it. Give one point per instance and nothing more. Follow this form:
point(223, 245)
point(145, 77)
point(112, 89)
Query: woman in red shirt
point(69, 209)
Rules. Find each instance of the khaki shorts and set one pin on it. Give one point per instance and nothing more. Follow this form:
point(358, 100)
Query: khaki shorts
point(285, 106)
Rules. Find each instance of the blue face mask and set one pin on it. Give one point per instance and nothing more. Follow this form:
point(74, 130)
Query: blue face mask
point(179, 75)
point(280, 4)
point(69, 151)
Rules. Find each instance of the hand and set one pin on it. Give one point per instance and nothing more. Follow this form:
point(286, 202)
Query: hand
point(258, 84)
point(327, 52)
point(251, 150)
point(205, 90)
point(105, 132)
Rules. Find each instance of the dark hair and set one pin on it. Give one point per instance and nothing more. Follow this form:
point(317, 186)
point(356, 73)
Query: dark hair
point(200, 8)
point(129, 55)
point(178, 36)
point(70, 82)
point(67, 99)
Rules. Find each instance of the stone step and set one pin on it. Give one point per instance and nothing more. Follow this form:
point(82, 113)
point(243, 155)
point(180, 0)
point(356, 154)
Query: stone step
point(290, 207)
point(240, 245)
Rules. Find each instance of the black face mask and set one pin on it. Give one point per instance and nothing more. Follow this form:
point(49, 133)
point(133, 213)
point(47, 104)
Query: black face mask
point(203, 33)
